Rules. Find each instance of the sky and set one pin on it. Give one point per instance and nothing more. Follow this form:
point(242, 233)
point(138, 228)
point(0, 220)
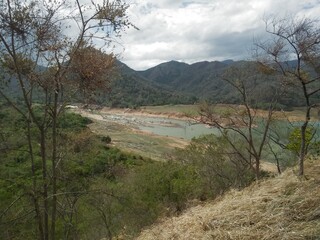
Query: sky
point(200, 30)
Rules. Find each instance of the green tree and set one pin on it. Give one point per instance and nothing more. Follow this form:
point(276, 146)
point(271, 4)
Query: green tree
point(295, 139)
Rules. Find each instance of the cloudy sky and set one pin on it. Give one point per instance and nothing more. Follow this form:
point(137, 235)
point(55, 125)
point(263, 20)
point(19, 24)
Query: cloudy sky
point(200, 30)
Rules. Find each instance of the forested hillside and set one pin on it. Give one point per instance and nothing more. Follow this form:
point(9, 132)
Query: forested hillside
point(205, 81)
point(180, 83)
point(131, 90)
point(197, 78)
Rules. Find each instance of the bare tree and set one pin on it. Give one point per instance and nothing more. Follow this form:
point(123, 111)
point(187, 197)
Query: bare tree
point(294, 51)
point(244, 127)
point(40, 43)
point(89, 78)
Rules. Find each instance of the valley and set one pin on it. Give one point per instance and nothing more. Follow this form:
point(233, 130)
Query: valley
point(156, 131)
point(149, 133)
point(178, 144)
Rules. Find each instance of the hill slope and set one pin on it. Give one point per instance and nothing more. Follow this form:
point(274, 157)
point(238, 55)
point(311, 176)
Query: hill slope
point(196, 78)
point(285, 207)
point(132, 90)
point(204, 80)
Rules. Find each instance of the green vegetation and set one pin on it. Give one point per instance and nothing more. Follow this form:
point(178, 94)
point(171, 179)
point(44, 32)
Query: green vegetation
point(294, 141)
point(202, 81)
point(219, 169)
point(132, 92)
point(104, 189)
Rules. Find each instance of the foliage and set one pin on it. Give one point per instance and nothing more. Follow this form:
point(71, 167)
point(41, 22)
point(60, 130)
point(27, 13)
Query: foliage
point(218, 168)
point(73, 121)
point(131, 92)
point(204, 81)
point(104, 188)
point(168, 184)
point(294, 143)
point(106, 139)
point(284, 207)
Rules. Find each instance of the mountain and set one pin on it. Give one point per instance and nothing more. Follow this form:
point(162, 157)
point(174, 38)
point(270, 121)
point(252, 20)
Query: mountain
point(131, 89)
point(196, 78)
point(204, 80)
point(181, 83)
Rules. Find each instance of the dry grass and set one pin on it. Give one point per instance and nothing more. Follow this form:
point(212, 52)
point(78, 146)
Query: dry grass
point(285, 207)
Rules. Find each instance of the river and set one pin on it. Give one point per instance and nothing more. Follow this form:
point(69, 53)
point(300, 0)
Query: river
point(185, 129)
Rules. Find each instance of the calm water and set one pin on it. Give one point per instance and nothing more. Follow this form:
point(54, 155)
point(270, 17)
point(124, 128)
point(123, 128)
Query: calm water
point(187, 130)
point(163, 126)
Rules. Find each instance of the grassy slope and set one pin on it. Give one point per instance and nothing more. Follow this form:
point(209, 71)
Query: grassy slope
point(284, 207)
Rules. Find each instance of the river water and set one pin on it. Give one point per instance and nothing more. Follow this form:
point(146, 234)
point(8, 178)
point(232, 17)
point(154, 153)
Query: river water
point(163, 126)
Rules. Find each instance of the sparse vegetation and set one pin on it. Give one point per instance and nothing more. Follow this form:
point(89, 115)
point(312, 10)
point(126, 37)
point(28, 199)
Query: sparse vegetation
point(284, 207)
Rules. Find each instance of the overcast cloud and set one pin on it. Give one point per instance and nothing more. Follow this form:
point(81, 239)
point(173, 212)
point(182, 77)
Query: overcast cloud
point(200, 30)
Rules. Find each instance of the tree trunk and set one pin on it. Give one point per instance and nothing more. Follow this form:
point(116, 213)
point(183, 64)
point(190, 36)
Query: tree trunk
point(302, 148)
point(54, 163)
point(45, 184)
point(34, 183)
point(257, 169)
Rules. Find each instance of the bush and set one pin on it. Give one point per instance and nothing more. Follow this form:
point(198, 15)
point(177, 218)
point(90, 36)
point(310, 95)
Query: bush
point(164, 185)
point(106, 139)
point(218, 170)
point(73, 121)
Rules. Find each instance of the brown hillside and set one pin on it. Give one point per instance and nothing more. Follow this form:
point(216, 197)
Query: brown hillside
point(285, 207)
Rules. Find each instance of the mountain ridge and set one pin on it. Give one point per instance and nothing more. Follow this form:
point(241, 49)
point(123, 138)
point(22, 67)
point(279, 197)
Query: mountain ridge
point(202, 81)
point(177, 82)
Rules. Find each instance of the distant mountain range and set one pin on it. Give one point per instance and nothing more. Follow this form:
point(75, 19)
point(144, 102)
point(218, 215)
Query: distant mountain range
point(180, 83)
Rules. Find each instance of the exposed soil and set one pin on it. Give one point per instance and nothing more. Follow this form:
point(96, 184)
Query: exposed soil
point(129, 138)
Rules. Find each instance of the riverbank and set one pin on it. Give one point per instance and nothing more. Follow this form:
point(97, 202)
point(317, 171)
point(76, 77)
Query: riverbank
point(191, 112)
point(121, 126)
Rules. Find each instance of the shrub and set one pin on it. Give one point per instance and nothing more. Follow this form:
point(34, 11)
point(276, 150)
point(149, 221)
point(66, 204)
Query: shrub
point(73, 121)
point(166, 185)
point(217, 166)
point(106, 139)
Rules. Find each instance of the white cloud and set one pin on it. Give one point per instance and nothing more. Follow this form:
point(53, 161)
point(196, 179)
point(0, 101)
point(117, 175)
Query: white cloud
point(195, 30)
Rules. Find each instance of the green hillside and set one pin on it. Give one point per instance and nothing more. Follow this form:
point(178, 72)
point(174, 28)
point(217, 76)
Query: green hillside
point(180, 83)
point(132, 90)
point(206, 81)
